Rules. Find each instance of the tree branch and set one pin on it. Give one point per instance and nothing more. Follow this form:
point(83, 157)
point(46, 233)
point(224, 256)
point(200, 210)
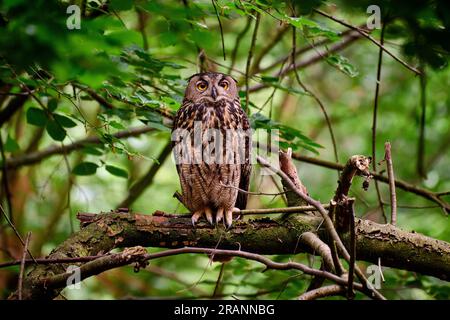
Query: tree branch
point(139, 187)
point(102, 233)
point(322, 292)
point(390, 169)
point(398, 183)
point(366, 35)
point(313, 59)
point(38, 156)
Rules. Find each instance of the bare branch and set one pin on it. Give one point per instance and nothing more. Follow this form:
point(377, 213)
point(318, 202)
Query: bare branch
point(249, 59)
point(22, 264)
point(220, 27)
point(327, 221)
point(351, 268)
point(38, 156)
point(139, 187)
point(239, 38)
point(427, 194)
point(374, 121)
point(390, 169)
point(15, 230)
point(312, 240)
point(312, 60)
point(322, 292)
point(423, 113)
point(366, 35)
point(280, 32)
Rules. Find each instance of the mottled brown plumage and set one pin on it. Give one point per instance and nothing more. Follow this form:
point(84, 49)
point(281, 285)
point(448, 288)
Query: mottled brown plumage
point(220, 163)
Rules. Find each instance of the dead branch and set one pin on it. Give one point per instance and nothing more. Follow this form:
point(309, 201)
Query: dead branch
point(322, 292)
point(390, 170)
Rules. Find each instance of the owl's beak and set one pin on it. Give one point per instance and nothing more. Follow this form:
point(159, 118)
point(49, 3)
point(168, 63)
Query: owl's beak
point(214, 93)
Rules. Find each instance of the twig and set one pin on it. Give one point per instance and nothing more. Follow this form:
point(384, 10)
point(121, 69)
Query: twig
point(22, 264)
point(299, 52)
point(249, 59)
point(94, 95)
point(13, 106)
point(5, 180)
point(221, 29)
point(219, 279)
point(15, 231)
point(142, 23)
point(139, 187)
point(423, 112)
point(140, 255)
point(266, 49)
point(374, 121)
point(288, 167)
point(327, 221)
point(312, 60)
point(427, 194)
point(351, 267)
point(296, 209)
point(366, 35)
point(35, 157)
point(320, 247)
point(390, 170)
point(174, 277)
point(315, 97)
point(45, 261)
point(252, 193)
point(322, 292)
point(239, 38)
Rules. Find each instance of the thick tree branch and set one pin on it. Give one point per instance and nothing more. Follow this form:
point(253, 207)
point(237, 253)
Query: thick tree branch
point(102, 233)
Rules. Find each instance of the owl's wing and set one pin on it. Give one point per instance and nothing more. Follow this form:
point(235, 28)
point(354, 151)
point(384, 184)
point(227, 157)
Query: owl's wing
point(182, 120)
point(246, 167)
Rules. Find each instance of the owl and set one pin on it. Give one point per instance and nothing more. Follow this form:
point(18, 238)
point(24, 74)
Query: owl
point(212, 148)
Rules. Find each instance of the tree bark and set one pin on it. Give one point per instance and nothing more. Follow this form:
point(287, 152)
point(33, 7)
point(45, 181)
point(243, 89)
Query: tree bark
point(103, 232)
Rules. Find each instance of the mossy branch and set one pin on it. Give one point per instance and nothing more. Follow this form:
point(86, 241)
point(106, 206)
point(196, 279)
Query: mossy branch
point(103, 232)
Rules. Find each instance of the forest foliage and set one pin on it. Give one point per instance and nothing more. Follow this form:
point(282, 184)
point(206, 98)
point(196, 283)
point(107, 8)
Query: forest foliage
point(126, 67)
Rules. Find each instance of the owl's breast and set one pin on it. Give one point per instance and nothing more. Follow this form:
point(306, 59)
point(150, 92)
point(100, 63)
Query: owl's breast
point(221, 114)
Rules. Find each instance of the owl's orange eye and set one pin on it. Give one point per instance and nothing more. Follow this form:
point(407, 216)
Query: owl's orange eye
point(202, 85)
point(224, 84)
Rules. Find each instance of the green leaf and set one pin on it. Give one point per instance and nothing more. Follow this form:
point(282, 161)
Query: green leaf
point(56, 131)
point(11, 145)
point(121, 5)
point(85, 169)
point(342, 64)
point(119, 172)
point(64, 121)
point(116, 125)
point(52, 104)
point(37, 117)
point(92, 150)
point(311, 27)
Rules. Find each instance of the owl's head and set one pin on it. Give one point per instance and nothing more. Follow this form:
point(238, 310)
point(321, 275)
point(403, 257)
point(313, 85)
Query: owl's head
point(211, 86)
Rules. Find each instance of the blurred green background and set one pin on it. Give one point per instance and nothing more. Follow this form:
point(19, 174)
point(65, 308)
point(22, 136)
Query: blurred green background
point(127, 66)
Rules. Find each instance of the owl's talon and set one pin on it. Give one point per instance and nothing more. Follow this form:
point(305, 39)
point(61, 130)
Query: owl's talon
point(228, 218)
point(209, 216)
point(219, 215)
point(195, 216)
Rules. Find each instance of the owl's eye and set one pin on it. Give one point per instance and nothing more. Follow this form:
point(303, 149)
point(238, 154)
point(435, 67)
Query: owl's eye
point(202, 85)
point(224, 84)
